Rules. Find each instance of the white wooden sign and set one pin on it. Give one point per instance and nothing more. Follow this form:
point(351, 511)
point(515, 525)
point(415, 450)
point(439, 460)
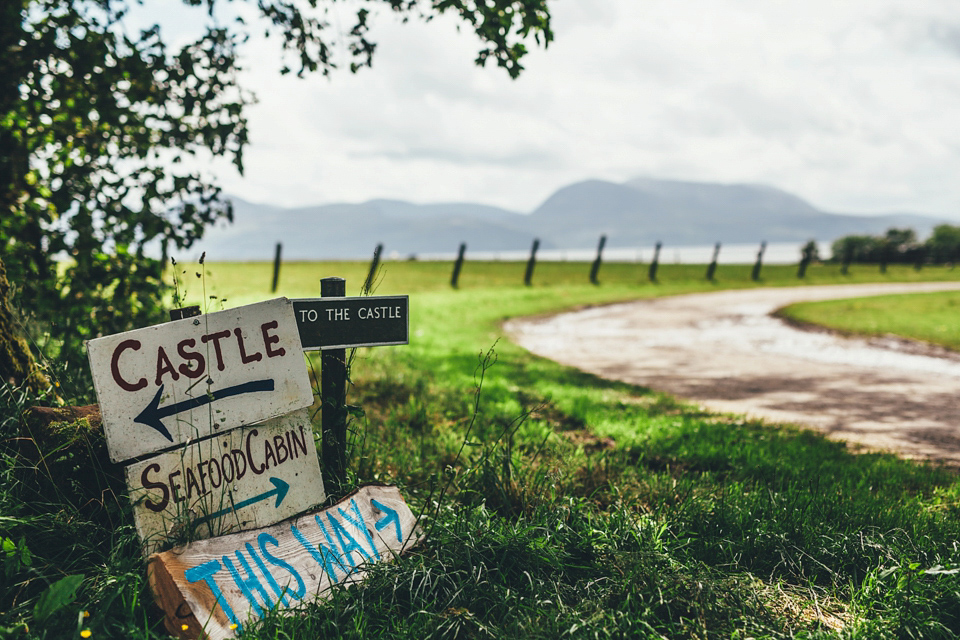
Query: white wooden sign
point(243, 479)
point(165, 385)
point(217, 586)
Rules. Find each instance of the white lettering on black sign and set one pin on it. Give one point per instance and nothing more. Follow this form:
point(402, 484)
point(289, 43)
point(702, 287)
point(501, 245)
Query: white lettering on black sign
point(340, 323)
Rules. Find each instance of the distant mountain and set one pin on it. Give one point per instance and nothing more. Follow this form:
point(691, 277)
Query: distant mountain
point(636, 213)
point(643, 211)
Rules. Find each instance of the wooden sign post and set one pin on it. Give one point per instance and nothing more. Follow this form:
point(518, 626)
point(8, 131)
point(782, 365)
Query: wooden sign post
point(218, 586)
point(332, 324)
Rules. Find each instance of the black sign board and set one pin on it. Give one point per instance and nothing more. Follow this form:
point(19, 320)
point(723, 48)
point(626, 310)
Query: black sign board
point(343, 323)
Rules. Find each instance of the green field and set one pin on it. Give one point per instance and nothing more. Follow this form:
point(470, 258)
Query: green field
point(557, 504)
point(931, 317)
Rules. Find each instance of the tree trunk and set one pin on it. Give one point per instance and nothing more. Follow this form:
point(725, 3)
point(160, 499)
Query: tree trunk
point(17, 365)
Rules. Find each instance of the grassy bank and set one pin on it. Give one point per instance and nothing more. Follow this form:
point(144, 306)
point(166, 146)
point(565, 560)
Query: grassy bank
point(557, 504)
point(931, 317)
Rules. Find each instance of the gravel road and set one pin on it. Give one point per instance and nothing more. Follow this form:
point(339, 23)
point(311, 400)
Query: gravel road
point(726, 352)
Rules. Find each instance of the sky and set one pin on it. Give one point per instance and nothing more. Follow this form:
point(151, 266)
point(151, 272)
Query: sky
point(853, 106)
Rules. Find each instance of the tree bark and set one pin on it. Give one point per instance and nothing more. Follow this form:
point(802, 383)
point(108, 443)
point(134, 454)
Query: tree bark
point(17, 365)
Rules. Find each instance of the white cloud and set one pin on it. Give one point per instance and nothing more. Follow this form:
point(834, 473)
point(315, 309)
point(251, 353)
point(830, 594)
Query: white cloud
point(851, 105)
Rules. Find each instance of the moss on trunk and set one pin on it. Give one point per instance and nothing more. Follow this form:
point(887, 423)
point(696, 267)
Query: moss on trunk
point(17, 365)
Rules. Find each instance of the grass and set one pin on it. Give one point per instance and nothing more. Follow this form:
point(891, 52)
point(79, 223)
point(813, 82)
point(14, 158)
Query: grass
point(572, 506)
point(931, 317)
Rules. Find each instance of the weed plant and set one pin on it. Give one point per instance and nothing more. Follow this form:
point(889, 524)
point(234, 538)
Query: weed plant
point(557, 504)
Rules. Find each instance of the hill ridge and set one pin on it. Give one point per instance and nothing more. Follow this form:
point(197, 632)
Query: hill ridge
point(634, 213)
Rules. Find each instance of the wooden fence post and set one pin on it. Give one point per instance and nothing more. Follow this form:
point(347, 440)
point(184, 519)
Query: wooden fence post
point(595, 267)
point(531, 263)
point(333, 398)
point(755, 274)
point(712, 267)
point(455, 278)
point(652, 273)
point(374, 264)
point(276, 269)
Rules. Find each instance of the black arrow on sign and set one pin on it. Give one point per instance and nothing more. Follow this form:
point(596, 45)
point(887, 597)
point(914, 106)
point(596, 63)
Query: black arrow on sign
point(153, 415)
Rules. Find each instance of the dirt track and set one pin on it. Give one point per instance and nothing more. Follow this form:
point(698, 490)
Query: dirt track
point(724, 351)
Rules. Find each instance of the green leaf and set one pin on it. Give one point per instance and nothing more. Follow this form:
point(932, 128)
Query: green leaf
point(58, 595)
point(355, 411)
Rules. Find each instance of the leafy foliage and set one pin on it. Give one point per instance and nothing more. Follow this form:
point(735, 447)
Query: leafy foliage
point(900, 246)
point(96, 123)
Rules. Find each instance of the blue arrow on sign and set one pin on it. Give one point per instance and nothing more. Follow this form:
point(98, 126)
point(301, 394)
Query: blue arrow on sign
point(389, 515)
point(153, 415)
point(280, 490)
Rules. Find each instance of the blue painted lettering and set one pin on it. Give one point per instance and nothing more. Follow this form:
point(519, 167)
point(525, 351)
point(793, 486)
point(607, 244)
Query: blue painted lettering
point(249, 584)
point(324, 556)
point(348, 548)
point(281, 593)
point(263, 539)
point(342, 559)
point(389, 515)
point(359, 524)
point(205, 572)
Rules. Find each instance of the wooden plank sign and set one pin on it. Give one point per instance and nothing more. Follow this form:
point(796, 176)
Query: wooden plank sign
point(217, 586)
point(244, 479)
point(343, 323)
point(164, 385)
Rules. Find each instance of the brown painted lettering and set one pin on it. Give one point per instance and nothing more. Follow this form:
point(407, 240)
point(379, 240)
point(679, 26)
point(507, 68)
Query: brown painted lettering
point(174, 486)
point(164, 366)
point(280, 446)
point(195, 356)
point(216, 338)
point(253, 467)
point(237, 459)
point(270, 339)
point(268, 455)
point(297, 443)
point(192, 484)
point(244, 358)
point(149, 484)
point(115, 366)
